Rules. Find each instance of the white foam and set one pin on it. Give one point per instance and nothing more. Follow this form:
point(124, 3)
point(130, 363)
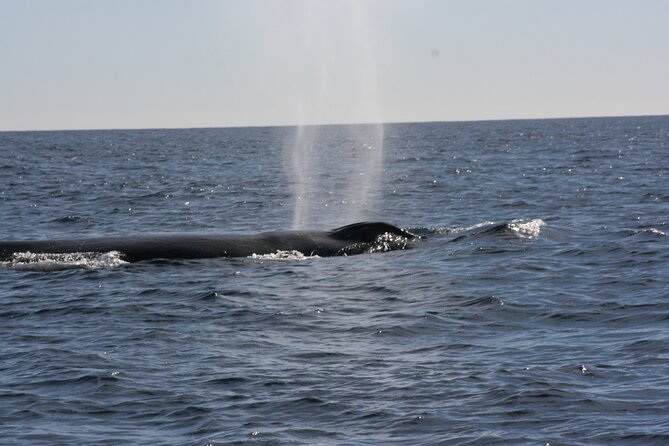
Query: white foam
point(56, 261)
point(388, 242)
point(527, 229)
point(282, 255)
point(654, 231)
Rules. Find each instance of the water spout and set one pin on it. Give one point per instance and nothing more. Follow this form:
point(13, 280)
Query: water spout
point(335, 170)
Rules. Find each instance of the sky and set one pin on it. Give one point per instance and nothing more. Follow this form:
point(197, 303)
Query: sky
point(85, 64)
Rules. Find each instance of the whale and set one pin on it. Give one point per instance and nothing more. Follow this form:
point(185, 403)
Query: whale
point(352, 239)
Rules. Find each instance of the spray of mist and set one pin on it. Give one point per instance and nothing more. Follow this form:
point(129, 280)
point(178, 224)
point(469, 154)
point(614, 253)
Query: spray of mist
point(335, 171)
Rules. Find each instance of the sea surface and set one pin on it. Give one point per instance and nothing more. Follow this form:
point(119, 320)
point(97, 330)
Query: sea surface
point(534, 310)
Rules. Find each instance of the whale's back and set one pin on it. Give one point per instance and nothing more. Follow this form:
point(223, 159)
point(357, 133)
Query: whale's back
point(351, 239)
point(367, 232)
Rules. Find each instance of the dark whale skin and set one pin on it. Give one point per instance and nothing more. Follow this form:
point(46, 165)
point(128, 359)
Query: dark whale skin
point(346, 240)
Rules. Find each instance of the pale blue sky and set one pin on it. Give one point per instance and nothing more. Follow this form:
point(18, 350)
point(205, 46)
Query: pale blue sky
point(79, 64)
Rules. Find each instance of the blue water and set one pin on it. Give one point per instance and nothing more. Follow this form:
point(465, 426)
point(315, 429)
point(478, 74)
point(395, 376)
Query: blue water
point(535, 311)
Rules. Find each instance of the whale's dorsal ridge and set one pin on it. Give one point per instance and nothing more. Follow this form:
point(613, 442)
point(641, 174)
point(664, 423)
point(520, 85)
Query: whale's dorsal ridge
point(367, 232)
point(352, 239)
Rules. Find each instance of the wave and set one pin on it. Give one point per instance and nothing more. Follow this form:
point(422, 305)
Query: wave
point(521, 228)
point(651, 231)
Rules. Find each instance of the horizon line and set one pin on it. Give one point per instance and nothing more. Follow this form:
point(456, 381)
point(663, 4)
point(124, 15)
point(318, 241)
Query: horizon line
point(100, 129)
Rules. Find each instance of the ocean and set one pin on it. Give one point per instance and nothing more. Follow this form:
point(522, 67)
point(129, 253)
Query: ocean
point(534, 310)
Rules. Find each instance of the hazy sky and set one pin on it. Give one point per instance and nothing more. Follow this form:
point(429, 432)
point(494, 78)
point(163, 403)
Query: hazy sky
point(78, 64)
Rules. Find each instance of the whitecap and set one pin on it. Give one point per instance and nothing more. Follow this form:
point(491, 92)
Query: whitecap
point(654, 231)
point(527, 229)
point(282, 255)
point(57, 261)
